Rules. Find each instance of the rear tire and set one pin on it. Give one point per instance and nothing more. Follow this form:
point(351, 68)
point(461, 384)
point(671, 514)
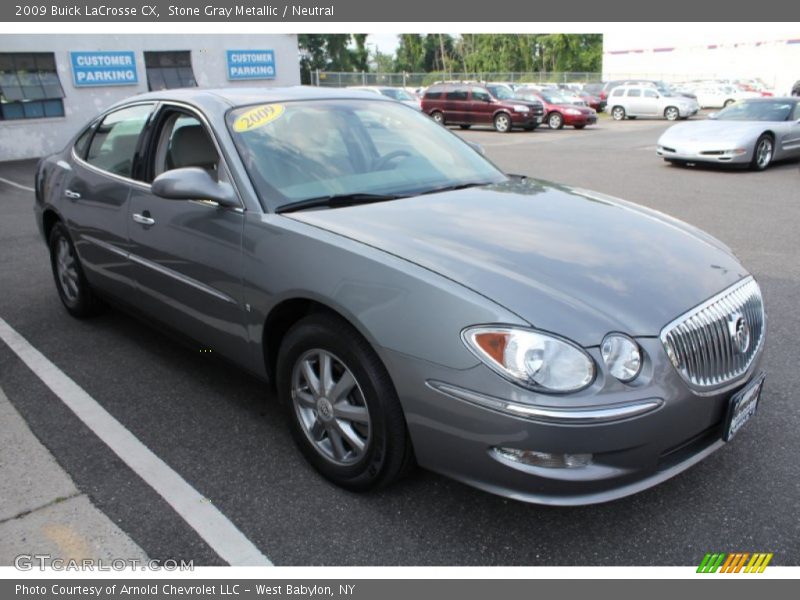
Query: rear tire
point(618, 113)
point(438, 117)
point(73, 288)
point(356, 437)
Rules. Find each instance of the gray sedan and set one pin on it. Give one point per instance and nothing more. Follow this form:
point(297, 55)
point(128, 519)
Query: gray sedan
point(409, 302)
point(750, 133)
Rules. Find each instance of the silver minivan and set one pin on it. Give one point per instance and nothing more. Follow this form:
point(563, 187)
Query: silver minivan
point(646, 101)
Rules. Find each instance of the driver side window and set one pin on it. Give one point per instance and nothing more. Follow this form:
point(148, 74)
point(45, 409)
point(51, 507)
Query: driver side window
point(184, 142)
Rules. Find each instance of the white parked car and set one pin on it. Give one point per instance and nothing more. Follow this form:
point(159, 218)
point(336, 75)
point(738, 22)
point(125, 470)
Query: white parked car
point(720, 96)
point(647, 101)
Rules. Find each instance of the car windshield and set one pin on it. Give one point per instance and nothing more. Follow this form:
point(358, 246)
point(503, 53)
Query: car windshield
point(501, 92)
point(554, 97)
point(302, 150)
point(778, 110)
point(397, 94)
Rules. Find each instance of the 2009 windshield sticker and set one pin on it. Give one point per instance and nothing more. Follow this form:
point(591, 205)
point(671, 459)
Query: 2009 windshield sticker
point(258, 117)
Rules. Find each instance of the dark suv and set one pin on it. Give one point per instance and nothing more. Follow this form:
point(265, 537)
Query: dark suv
point(471, 104)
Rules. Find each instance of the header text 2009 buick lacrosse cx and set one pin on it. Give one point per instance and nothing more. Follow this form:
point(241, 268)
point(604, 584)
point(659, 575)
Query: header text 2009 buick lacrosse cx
point(410, 302)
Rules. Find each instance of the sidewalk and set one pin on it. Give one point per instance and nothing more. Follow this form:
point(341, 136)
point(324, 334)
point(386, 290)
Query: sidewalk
point(41, 510)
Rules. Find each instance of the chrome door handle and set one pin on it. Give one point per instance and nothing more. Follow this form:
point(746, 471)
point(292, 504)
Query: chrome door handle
point(72, 195)
point(143, 220)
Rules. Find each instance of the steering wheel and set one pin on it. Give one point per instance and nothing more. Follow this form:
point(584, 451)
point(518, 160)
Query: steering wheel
point(387, 158)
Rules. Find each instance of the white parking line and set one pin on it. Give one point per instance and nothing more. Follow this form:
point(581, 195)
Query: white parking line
point(202, 516)
point(17, 185)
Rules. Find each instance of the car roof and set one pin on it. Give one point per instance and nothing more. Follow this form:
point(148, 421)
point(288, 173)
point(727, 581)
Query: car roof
point(224, 98)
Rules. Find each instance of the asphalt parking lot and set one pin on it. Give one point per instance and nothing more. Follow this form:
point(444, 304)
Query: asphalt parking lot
point(224, 434)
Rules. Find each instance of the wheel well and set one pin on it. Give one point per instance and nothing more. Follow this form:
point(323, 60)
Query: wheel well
point(49, 218)
point(280, 319)
point(770, 134)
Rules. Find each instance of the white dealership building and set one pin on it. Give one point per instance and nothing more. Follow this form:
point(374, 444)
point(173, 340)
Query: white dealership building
point(50, 85)
point(690, 51)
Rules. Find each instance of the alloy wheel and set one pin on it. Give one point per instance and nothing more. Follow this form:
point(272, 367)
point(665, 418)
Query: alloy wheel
point(67, 270)
point(330, 407)
point(764, 153)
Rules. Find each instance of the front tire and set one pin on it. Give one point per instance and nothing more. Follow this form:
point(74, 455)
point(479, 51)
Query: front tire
point(73, 288)
point(465, 126)
point(502, 123)
point(555, 120)
point(618, 113)
point(671, 113)
point(763, 152)
point(344, 411)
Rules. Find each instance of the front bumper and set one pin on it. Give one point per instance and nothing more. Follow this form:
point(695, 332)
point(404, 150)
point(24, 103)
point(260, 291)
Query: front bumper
point(711, 152)
point(580, 120)
point(526, 119)
point(458, 437)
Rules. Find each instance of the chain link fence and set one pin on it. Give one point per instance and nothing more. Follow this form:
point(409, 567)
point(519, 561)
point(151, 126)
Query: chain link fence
point(346, 79)
point(414, 80)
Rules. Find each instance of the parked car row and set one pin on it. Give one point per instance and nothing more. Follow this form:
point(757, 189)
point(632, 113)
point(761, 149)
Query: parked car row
point(498, 105)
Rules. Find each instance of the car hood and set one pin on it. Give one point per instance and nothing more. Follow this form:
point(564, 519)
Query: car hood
point(711, 129)
point(566, 260)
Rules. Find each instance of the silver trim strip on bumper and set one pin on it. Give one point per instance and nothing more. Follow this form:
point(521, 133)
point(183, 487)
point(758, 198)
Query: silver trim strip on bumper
point(590, 415)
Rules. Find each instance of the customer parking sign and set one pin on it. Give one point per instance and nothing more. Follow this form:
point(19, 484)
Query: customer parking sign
point(251, 64)
point(103, 68)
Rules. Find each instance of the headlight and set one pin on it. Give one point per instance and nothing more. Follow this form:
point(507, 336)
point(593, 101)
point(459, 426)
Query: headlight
point(622, 356)
point(535, 360)
point(572, 111)
point(520, 108)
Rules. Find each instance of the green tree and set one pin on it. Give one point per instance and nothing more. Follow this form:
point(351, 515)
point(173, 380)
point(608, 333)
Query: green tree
point(332, 52)
point(410, 53)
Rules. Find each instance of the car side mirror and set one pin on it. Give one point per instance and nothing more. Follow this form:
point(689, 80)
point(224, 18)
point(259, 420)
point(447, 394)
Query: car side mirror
point(193, 183)
point(712, 116)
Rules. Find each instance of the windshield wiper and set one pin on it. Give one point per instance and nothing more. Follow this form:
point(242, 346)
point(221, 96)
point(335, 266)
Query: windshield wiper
point(451, 188)
point(336, 201)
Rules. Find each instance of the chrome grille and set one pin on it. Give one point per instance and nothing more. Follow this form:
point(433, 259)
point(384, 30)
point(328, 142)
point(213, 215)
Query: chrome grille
point(707, 344)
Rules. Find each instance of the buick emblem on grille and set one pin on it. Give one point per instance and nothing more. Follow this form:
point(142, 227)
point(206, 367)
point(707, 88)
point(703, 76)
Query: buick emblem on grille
point(740, 332)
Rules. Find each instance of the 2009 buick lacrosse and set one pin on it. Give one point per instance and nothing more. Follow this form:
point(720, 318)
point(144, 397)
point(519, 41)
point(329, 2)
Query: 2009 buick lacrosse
point(409, 301)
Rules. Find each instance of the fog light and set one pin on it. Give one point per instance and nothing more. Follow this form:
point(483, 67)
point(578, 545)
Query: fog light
point(547, 460)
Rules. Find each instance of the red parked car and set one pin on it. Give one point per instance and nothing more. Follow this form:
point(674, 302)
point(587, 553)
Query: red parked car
point(558, 112)
point(593, 101)
point(471, 104)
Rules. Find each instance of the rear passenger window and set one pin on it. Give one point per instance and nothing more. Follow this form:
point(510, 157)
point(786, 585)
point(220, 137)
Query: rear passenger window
point(618, 92)
point(635, 93)
point(114, 143)
point(456, 95)
point(433, 95)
